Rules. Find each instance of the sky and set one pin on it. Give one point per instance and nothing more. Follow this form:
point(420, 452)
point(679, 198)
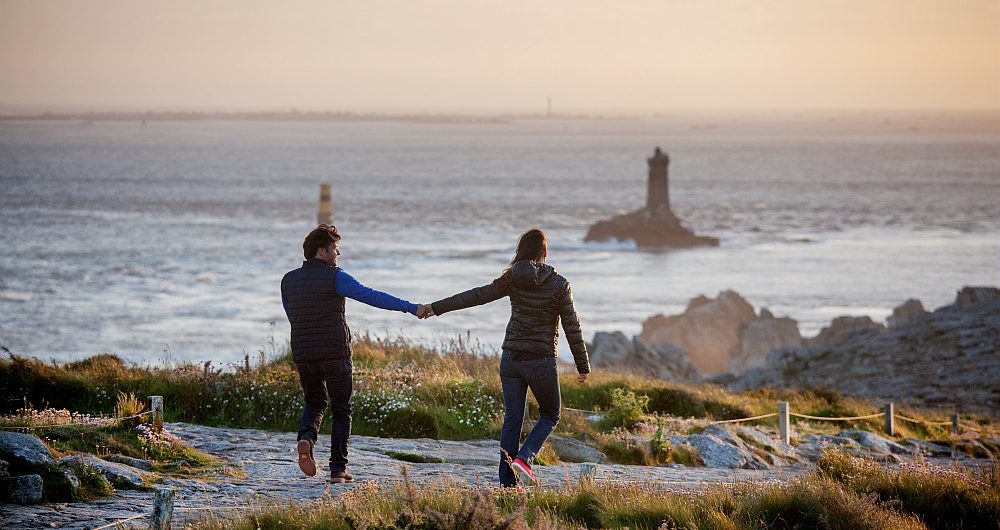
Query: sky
point(470, 55)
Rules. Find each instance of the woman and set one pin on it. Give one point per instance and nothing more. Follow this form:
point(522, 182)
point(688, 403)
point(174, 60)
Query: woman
point(539, 297)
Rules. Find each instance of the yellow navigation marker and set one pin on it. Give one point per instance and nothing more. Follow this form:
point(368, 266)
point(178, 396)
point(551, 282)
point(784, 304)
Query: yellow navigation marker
point(325, 214)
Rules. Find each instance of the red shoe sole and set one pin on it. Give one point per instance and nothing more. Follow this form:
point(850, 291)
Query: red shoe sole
point(524, 475)
point(306, 462)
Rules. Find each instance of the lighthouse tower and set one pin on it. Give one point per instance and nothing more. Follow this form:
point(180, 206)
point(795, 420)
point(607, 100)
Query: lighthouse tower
point(658, 195)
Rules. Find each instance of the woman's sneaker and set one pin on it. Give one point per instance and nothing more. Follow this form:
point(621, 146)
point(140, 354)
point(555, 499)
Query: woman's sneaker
point(306, 461)
point(524, 473)
point(340, 477)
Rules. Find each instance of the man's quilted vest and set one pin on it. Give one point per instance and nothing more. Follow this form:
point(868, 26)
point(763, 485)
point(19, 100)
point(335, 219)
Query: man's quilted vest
point(316, 313)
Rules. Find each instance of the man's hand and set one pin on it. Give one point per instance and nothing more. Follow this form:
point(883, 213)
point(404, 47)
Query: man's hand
point(424, 311)
point(582, 378)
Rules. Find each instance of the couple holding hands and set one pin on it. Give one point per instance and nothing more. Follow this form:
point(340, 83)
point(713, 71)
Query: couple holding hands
point(314, 300)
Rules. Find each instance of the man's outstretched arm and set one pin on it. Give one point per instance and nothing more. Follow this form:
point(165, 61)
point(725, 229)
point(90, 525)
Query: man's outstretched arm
point(348, 287)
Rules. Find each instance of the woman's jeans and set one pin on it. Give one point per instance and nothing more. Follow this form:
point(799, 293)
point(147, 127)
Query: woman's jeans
point(517, 374)
point(327, 382)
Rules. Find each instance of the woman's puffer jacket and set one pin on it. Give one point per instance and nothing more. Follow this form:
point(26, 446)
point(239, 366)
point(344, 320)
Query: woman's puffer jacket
point(539, 298)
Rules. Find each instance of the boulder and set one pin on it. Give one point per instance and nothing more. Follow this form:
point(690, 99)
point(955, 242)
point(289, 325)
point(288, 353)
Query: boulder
point(120, 475)
point(759, 439)
point(928, 448)
point(876, 443)
point(24, 452)
point(761, 336)
point(4, 469)
point(708, 330)
point(137, 463)
point(719, 454)
point(610, 349)
point(666, 361)
point(844, 328)
point(24, 489)
point(572, 450)
point(977, 295)
point(754, 460)
point(905, 312)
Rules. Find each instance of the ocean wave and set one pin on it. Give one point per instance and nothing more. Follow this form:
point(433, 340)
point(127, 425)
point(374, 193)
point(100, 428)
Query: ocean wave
point(15, 296)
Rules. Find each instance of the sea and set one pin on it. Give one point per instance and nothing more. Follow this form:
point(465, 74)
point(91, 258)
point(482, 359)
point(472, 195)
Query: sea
point(165, 241)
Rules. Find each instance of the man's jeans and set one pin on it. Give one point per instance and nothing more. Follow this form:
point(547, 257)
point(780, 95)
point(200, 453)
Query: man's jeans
point(517, 375)
point(319, 379)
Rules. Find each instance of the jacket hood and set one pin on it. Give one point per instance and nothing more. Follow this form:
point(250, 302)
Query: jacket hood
point(529, 275)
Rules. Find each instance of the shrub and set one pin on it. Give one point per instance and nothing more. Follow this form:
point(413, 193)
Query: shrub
point(626, 409)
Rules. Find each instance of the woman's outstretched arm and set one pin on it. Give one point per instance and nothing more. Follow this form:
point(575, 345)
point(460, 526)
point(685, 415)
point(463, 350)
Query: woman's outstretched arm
point(574, 332)
point(496, 290)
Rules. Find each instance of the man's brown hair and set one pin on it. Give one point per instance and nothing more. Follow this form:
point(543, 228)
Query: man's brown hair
point(321, 237)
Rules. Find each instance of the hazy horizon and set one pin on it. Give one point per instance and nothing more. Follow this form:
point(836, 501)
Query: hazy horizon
point(438, 56)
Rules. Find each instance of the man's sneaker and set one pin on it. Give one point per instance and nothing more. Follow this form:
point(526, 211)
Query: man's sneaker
point(340, 477)
point(523, 472)
point(306, 462)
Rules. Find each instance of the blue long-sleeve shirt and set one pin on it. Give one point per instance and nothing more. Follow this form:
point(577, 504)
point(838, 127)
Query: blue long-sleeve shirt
point(348, 287)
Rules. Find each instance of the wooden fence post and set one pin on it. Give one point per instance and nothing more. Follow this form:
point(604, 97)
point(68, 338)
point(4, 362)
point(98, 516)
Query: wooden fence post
point(890, 420)
point(156, 405)
point(784, 425)
point(955, 427)
point(163, 509)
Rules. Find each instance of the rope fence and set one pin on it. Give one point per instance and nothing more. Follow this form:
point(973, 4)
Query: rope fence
point(842, 418)
point(784, 415)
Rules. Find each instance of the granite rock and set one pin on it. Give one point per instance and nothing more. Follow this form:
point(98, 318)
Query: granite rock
point(24, 452)
point(137, 463)
point(944, 359)
point(572, 450)
point(120, 475)
point(708, 330)
point(23, 489)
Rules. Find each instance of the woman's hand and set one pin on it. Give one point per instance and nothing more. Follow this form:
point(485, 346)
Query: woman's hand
point(582, 378)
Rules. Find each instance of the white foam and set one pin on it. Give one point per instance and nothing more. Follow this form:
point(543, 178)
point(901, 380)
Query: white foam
point(15, 296)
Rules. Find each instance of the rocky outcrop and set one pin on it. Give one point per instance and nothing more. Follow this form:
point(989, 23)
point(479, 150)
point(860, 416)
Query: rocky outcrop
point(708, 330)
point(649, 229)
point(655, 225)
point(971, 296)
point(761, 336)
point(843, 328)
point(905, 312)
point(947, 358)
point(616, 351)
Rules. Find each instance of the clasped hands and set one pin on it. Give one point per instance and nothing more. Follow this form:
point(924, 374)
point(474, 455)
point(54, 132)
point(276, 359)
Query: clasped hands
point(424, 311)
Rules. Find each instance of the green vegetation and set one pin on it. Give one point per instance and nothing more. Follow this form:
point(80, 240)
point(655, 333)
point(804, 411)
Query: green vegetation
point(406, 390)
point(846, 493)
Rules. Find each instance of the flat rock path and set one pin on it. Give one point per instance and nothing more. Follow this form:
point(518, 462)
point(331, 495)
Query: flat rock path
point(266, 472)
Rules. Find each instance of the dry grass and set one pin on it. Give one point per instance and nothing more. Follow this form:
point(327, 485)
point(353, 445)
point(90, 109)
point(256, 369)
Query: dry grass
point(848, 494)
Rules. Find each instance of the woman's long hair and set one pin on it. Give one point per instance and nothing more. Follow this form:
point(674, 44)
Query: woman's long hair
point(531, 246)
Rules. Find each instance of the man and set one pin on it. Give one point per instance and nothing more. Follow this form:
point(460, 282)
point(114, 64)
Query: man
point(314, 300)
